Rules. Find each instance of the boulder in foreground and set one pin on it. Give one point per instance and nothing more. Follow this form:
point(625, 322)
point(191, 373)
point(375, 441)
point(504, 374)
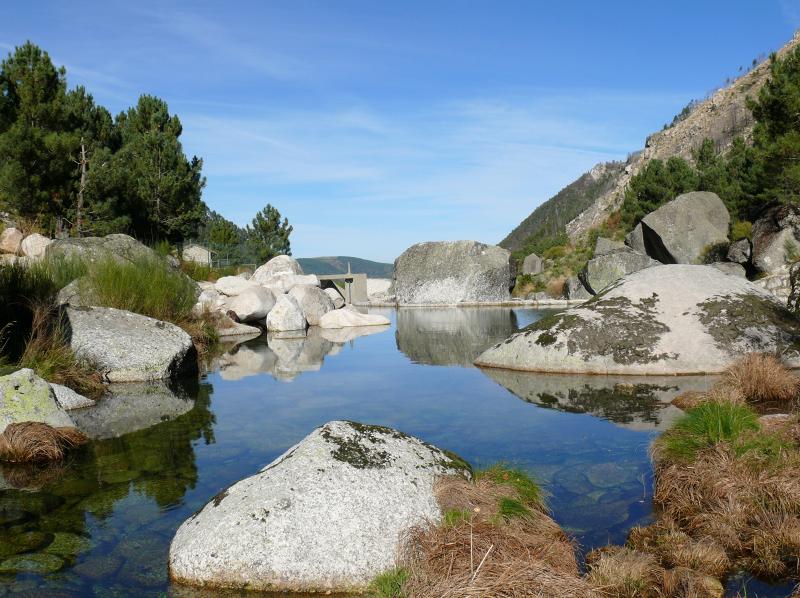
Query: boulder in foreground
point(452, 272)
point(327, 515)
point(678, 319)
point(128, 347)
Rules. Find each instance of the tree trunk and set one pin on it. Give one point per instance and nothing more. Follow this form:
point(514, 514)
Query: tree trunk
point(81, 187)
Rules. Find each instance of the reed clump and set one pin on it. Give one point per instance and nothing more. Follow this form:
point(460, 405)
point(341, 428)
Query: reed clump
point(35, 441)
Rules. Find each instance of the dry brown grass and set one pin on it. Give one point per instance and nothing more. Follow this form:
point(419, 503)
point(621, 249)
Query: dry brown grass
point(492, 542)
point(761, 378)
point(689, 399)
point(555, 287)
point(687, 583)
point(675, 548)
point(36, 441)
point(619, 572)
point(748, 508)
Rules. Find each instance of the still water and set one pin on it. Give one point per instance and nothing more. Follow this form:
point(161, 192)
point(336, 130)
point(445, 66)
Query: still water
point(101, 523)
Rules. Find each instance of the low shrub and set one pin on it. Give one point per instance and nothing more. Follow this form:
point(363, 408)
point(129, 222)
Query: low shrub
point(742, 229)
point(761, 378)
point(204, 272)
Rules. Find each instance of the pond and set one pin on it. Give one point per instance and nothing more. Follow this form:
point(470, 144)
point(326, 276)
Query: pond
point(101, 523)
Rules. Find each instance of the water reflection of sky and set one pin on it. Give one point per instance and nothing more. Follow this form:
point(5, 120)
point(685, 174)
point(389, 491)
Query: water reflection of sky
point(585, 438)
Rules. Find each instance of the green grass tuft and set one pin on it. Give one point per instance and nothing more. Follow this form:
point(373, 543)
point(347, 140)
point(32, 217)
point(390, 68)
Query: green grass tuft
point(454, 517)
point(508, 508)
point(530, 494)
point(147, 286)
point(712, 423)
point(389, 584)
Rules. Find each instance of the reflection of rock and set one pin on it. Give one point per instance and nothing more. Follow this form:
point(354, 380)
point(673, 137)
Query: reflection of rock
point(345, 335)
point(636, 403)
point(282, 358)
point(451, 336)
point(130, 407)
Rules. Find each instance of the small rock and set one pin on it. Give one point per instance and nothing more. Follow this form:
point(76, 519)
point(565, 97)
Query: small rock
point(739, 251)
point(25, 397)
point(69, 399)
point(574, 289)
point(11, 241)
point(336, 297)
point(730, 268)
point(532, 264)
point(35, 245)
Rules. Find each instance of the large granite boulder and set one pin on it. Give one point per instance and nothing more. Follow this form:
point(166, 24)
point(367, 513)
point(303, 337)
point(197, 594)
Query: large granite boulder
point(314, 302)
point(603, 246)
point(349, 316)
point(452, 272)
point(128, 347)
point(286, 315)
point(677, 319)
point(326, 516)
point(280, 264)
point(635, 239)
point(24, 397)
point(117, 246)
point(532, 264)
point(11, 240)
point(679, 232)
point(34, 246)
point(610, 266)
point(730, 268)
point(285, 281)
point(776, 238)
point(251, 305)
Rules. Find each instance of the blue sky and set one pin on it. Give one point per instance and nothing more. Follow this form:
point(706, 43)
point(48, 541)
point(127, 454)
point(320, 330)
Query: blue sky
point(373, 125)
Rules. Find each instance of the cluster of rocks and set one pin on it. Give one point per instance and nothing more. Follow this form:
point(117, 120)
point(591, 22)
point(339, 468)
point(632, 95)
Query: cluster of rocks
point(280, 298)
point(693, 229)
point(15, 246)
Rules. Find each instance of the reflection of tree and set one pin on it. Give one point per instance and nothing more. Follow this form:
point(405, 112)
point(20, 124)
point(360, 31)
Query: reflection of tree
point(622, 404)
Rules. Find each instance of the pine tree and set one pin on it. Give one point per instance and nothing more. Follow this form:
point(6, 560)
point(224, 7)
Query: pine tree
point(268, 236)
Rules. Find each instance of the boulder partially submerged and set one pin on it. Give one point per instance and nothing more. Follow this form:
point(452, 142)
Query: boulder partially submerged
point(678, 319)
point(454, 272)
point(326, 516)
point(349, 316)
point(128, 347)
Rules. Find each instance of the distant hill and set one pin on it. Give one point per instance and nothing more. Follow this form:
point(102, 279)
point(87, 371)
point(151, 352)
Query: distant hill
point(338, 265)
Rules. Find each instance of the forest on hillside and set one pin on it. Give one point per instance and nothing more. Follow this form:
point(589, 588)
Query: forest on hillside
point(68, 167)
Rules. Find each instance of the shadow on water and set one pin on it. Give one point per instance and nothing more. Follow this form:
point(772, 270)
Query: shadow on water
point(101, 523)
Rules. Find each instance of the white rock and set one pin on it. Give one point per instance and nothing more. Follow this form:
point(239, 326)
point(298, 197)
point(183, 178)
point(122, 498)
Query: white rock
point(252, 304)
point(336, 297)
point(281, 264)
point(347, 316)
point(233, 285)
point(378, 286)
point(327, 515)
point(314, 302)
point(11, 240)
point(286, 315)
point(285, 282)
point(35, 245)
point(676, 319)
point(227, 328)
point(69, 399)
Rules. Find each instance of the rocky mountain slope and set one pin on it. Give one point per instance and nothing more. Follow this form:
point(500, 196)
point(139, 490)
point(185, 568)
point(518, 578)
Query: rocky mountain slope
point(721, 117)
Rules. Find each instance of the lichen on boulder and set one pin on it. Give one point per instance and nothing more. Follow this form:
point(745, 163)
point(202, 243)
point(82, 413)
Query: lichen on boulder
point(677, 319)
point(326, 516)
